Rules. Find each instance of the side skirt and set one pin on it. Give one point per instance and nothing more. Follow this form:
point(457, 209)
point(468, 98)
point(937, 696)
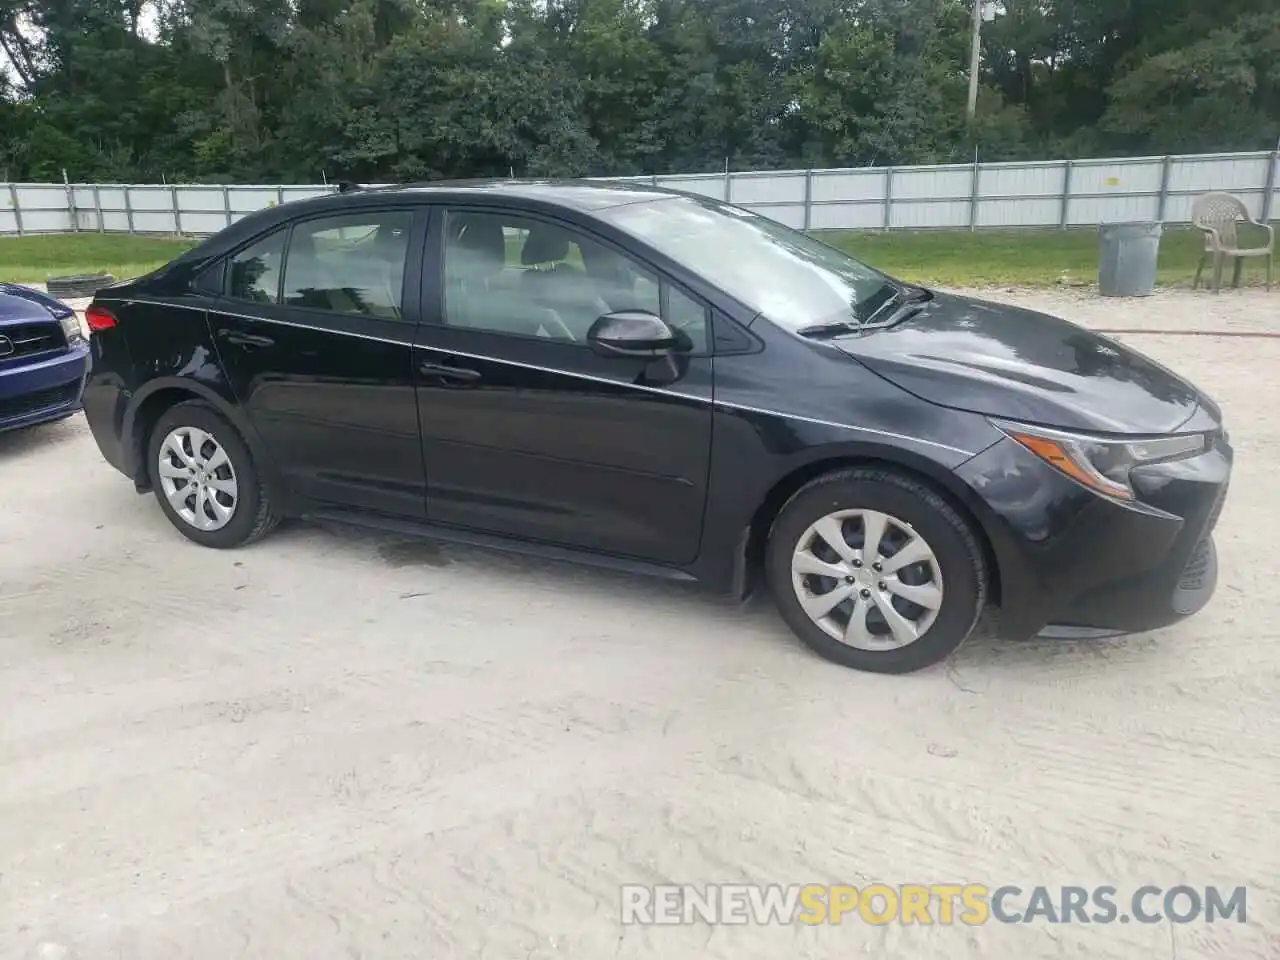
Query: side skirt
point(432, 531)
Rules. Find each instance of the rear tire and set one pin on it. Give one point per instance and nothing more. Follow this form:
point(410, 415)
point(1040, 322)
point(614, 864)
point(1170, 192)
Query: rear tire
point(205, 479)
point(856, 612)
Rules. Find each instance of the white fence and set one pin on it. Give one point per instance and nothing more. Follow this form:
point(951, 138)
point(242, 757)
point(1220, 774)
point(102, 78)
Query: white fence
point(135, 208)
point(1062, 193)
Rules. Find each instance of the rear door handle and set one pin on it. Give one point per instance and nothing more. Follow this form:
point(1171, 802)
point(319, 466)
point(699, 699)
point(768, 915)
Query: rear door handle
point(247, 339)
point(445, 372)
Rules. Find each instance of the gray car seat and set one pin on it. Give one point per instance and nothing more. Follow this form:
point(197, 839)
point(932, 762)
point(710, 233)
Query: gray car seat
point(474, 261)
point(385, 264)
point(304, 285)
point(559, 287)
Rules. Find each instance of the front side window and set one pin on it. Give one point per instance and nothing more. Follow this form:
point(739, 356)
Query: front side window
point(682, 312)
point(788, 276)
point(349, 264)
point(504, 273)
point(255, 271)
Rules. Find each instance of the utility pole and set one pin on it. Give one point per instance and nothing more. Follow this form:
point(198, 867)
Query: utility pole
point(975, 58)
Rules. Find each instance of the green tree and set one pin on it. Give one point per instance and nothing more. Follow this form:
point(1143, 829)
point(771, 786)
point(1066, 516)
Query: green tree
point(1224, 88)
point(390, 89)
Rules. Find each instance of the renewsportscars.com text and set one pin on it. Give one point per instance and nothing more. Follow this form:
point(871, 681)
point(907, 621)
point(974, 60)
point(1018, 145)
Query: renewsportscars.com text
point(971, 904)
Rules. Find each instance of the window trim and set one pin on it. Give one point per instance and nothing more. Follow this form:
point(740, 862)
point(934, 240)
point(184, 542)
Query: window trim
point(665, 280)
point(410, 295)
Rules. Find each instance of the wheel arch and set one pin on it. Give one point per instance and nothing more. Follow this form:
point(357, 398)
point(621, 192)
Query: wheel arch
point(159, 395)
point(938, 478)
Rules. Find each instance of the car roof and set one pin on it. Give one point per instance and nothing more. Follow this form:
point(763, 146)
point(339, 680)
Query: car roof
point(583, 195)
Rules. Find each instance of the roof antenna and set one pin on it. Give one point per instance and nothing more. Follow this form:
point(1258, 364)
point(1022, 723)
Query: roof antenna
point(346, 186)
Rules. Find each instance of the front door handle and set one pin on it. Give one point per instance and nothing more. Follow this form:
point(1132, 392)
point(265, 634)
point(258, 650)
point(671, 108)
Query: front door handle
point(445, 372)
point(247, 339)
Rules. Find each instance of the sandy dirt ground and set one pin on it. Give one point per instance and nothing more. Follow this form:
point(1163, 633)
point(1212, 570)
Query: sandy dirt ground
point(335, 745)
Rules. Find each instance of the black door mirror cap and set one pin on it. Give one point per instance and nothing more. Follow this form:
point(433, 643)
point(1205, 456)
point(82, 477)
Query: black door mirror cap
point(636, 333)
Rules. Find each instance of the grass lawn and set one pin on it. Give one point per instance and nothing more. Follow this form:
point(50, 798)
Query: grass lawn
point(1013, 257)
point(36, 258)
point(944, 258)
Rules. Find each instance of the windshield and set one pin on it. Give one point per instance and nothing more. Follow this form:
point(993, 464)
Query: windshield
point(791, 278)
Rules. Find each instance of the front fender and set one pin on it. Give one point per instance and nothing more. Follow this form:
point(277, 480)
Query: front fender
point(760, 459)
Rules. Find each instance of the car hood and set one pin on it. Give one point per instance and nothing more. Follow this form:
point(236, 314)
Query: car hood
point(1009, 362)
point(19, 304)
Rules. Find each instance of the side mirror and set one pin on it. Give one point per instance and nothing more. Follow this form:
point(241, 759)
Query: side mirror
point(636, 333)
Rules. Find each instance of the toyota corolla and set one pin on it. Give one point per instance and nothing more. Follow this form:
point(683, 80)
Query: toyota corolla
point(670, 385)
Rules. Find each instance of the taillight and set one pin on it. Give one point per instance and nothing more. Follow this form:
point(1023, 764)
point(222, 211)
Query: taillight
point(99, 319)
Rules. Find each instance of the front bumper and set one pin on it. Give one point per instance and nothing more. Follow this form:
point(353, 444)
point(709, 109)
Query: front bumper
point(1074, 564)
point(45, 390)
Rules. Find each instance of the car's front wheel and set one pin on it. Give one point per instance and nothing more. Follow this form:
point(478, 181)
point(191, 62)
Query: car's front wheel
point(205, 479)
point(874, 570)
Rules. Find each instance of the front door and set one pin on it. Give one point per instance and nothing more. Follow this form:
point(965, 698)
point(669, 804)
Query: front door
point(528, 433)
point(316, 335)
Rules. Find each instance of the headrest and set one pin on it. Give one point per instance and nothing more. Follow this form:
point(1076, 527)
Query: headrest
point(482, 235)
point(302, 243)
point(391, 238)
point(545, 244)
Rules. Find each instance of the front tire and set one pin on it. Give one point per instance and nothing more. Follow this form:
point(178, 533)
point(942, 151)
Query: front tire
point(205, 479)
point(874, 570)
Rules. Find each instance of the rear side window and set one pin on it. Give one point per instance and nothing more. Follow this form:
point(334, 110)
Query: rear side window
point(349, 264)
point(255, 271)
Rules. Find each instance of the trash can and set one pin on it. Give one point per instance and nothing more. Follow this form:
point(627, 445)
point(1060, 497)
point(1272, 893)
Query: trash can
point(1127, 254)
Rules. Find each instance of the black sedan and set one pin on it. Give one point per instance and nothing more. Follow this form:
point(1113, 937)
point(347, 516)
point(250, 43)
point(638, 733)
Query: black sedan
point(665, 384)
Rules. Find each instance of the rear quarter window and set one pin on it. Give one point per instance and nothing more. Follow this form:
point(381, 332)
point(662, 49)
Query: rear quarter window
point(212, 279)
point(255, 270)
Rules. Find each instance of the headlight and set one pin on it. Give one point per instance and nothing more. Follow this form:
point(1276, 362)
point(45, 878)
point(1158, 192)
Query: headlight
point(71, 328)
point(1101, 463)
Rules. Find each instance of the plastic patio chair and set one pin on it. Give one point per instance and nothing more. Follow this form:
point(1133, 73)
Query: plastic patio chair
point(1220, 216)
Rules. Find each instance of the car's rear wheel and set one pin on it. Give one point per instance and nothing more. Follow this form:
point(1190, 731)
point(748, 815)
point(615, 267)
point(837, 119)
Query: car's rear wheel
point(205, 480)
point(874, 570)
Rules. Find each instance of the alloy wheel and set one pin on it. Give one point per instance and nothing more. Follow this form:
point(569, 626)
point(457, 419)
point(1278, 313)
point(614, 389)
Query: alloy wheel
point(198, 479)
point(867, 579)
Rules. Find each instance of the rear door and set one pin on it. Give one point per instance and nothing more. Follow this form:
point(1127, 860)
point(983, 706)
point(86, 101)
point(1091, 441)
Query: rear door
point(315, 332)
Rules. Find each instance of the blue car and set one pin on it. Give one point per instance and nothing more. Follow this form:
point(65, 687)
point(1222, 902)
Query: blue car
point(44, 358)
